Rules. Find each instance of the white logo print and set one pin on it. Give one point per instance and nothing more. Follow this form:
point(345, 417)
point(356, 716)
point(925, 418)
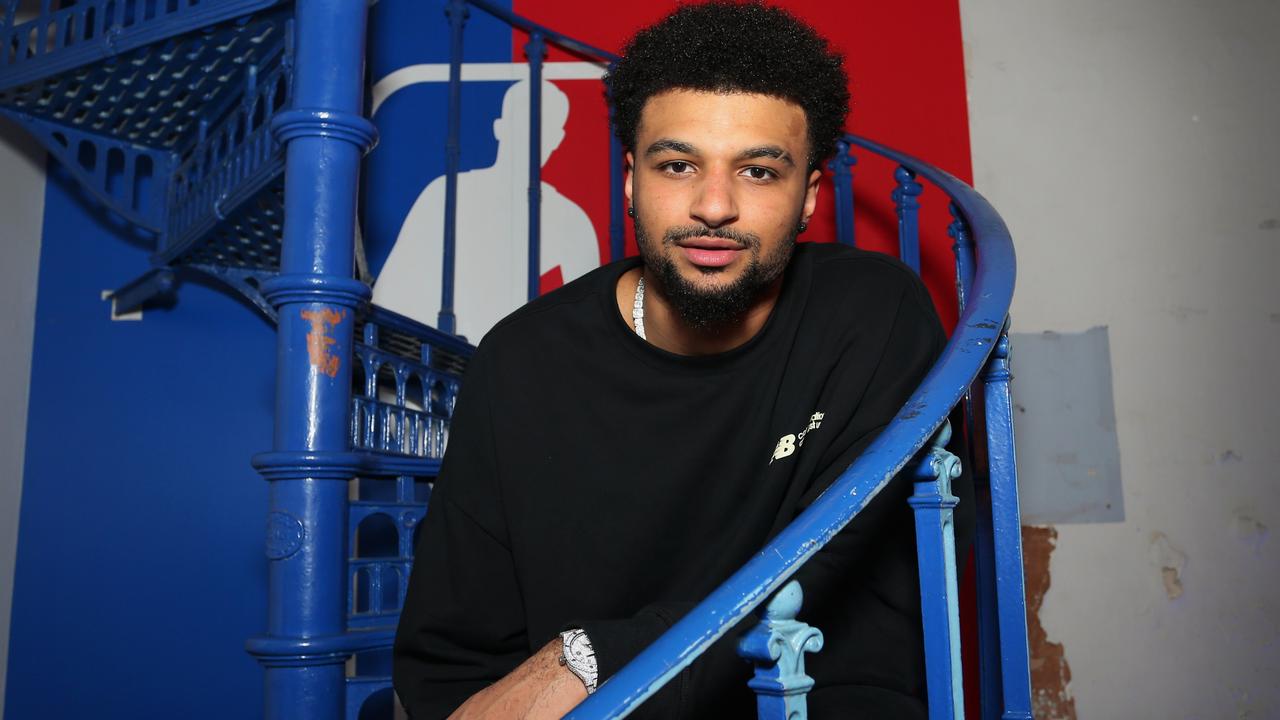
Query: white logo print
point(788, 443)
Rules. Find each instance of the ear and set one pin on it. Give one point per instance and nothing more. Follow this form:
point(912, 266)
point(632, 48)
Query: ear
point(626, 183)
point(811, 195)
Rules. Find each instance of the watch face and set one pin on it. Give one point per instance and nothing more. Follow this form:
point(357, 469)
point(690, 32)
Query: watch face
point(580, 651)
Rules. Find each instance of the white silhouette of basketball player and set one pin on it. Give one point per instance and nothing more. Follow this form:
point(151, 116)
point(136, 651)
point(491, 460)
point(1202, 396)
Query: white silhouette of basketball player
point(491, 253)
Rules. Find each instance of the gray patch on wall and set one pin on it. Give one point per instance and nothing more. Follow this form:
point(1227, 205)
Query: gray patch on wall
point(1064, 422)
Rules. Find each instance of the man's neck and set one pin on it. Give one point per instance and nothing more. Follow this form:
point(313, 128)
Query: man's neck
point(665, 328)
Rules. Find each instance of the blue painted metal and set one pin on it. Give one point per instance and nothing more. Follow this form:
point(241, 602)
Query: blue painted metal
point(457, 12)
point(989, 684)
point(1007, 528)
point(939, 596)
point(963, 250)
point(158, 282)
point(560, 39)
point(617, 233)
point(77, 34)
point(536, 51)
point(777, 645)
point(125, 177)
point(908, 210)
point(841, 167)
point(317, 301)
point(974, 338)
point(226, 198)
point(172, 137)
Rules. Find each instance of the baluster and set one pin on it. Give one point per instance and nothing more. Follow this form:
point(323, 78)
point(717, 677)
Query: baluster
point(1007, 528)
point(536, 50)
point(776, 645)
point(908, 208)
point(935, 542)
point(457, 11)
point(617, 231)
point(842, 180)
point(990, 687)
point(984, 550)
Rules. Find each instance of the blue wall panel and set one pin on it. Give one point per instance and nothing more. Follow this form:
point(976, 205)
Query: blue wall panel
point(140, 568)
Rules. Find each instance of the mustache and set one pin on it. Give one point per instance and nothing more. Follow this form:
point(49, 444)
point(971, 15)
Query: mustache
point(685, 232)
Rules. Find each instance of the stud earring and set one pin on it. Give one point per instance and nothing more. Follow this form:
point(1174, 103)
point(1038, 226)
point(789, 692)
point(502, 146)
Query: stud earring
point(803, 226)
point(631, 212)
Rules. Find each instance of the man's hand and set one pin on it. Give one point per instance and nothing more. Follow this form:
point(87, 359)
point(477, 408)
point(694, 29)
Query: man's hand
point(540, 689)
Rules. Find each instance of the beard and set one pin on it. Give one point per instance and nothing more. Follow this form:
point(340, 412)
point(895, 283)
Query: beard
point(709, 308)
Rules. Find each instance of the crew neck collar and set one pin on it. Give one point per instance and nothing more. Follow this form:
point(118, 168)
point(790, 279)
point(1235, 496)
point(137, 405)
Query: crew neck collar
point(790, 301)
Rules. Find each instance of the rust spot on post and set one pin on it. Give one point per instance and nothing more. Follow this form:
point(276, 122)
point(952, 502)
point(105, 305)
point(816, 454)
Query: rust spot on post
point(320, 341)
point(1050, 674)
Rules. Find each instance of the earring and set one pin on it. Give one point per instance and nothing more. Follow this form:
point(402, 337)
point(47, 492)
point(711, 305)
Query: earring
point(631, 212)
point(803, 226)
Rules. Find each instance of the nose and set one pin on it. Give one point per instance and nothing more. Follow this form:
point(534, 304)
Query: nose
point(714, 204)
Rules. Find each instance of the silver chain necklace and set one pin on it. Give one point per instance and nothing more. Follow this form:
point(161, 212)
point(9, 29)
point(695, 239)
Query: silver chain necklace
point(637, 310)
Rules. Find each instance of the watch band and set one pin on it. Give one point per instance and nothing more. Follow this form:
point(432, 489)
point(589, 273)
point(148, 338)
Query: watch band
point(577, 654)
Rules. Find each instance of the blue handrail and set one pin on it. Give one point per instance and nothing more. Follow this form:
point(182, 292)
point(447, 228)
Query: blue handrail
point(976, 335)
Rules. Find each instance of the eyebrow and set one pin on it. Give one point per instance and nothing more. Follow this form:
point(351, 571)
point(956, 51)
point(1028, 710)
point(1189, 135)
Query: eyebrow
point(769, 151)
point(669, 145)
point(679, 146)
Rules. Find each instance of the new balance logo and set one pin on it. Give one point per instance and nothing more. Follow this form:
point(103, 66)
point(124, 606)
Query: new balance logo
point(788, 444)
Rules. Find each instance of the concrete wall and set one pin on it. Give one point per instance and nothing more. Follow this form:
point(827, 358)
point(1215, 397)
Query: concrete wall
point(1131, 146)
point(22, 210)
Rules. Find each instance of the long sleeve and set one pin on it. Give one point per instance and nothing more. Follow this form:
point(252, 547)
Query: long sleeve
point(862, 588)
point(463, 623)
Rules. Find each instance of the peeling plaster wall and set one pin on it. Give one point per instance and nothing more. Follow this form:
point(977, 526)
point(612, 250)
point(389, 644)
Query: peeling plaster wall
point(21, 214)
point(1131, 146)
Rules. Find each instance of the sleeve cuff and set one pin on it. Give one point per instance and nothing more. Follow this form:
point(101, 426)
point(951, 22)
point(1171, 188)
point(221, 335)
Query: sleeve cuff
point(616, 642)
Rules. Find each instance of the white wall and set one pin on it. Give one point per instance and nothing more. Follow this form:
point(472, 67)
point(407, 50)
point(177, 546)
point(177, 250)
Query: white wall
point(1132, 147)
point(21, 216)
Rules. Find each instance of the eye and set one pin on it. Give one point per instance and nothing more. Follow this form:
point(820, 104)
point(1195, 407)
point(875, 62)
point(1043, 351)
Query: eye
point(677, 167)
point(755, 172)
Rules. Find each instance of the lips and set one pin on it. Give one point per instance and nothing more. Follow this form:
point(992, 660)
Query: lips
point(709, 251)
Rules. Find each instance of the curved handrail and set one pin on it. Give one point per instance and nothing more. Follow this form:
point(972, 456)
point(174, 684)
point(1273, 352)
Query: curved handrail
point(979, 328)
point(530, 26)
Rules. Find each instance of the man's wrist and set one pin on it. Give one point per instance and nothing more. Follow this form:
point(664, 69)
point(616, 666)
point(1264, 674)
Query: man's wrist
point(579, 657)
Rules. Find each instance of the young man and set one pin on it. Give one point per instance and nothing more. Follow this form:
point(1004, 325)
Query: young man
point(622, 445)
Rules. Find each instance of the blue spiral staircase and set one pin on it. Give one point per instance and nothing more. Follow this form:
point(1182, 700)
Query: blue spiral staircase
point(228, 134)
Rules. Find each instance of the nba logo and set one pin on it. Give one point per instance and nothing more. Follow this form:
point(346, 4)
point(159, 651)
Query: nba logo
point(404, 188)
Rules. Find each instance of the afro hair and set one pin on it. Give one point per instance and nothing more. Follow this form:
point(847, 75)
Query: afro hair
point(728, 47)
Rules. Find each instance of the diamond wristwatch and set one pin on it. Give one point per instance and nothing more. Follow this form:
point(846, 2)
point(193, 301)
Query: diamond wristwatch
point(578, 655)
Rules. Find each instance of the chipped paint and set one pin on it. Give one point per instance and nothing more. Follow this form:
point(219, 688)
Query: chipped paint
point(1171, 561)
point(1050, 673)
point(320, 340)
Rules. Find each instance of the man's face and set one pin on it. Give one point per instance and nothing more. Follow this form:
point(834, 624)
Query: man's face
point(719, 183)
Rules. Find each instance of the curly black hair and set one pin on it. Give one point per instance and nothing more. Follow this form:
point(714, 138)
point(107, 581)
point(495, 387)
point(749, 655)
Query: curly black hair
point(727, 47)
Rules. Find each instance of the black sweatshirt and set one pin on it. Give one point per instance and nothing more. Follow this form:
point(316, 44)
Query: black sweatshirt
point(593, 480)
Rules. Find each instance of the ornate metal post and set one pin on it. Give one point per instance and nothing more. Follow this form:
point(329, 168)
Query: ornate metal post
point(617, 233)
point(842, 179)
point(939, 597)
point(317, 300)
point(457, 12)
point(989, 684)
point(908, 209)
point(1007, 526)
point(536, 50)
point(777, 645)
